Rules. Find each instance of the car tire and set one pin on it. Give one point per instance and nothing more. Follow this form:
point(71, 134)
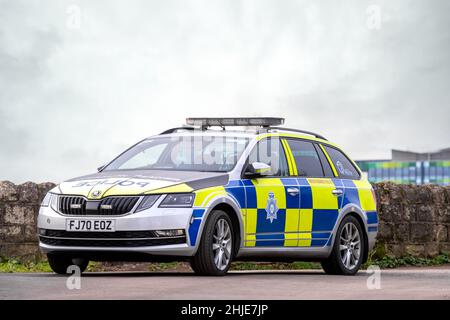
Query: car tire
point(215, 251)
point(59, 263)
point(348, 250)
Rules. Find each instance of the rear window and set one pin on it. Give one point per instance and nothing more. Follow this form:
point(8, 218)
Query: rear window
point(344, 167)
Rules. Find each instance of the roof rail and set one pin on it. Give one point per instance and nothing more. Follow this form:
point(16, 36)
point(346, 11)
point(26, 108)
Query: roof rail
point(172, 130)
point(297, 130)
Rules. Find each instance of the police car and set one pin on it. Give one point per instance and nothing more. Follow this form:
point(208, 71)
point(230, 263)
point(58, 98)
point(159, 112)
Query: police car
point(213, 191)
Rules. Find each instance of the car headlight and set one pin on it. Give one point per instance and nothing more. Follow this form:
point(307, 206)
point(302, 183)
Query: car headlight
point(51, 200)
point(54, 202)
point(46, 201)
point(178, 200)
point(147, 202)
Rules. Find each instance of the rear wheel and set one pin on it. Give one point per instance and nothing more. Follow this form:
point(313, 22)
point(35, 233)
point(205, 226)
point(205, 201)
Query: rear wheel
point(59, 263)
point(348, 249)
point(215, 251)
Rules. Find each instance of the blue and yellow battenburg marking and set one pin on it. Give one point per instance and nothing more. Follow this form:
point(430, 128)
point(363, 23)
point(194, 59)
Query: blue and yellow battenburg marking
point(273, 217)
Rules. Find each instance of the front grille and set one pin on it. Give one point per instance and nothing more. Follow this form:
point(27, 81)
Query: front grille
point(112, 242)
point(112, 206)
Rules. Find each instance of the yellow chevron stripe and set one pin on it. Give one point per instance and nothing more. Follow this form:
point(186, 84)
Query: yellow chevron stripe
point(203, 196)
point(182, 187)
point(292, 159)
point(291, 172)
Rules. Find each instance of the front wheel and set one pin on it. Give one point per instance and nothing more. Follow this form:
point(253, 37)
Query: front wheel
point(215, 251)
point(59, 263)
point(348, 249)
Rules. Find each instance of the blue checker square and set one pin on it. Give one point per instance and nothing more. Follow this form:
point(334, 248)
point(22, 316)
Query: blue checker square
point(324, 219)
point(351, 196)
point(264, 225)
point(318, 243)
point(291, 182)
point(306, 201)
point(372, 217)
point(302, 182)
point(251, 197)
point(238, 193)
point(193, 231)
point(292, 202)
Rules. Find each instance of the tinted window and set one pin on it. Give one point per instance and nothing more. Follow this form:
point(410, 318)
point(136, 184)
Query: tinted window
point(306, 158)
point(325, 164)
point(270, 151)
point(343, 166)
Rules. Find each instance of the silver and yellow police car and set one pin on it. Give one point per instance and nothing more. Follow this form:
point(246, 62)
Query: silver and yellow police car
point(213, 191)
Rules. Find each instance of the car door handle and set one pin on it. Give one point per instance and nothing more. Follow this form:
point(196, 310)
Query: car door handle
point(293, 191)
point(337, 192)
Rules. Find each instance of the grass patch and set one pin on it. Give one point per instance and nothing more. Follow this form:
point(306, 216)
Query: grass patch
point(14, 265)
point(389, 262)
point(164, 266)
point(10, 265)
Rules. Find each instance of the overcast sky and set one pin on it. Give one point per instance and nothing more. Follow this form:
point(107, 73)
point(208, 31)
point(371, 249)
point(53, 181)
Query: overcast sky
point(82, 80)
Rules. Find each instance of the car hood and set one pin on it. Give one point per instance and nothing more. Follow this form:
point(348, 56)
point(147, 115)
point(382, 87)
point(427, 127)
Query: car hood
point(137, 182)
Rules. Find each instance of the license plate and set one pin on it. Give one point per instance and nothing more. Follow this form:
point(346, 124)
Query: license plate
point(90, 225)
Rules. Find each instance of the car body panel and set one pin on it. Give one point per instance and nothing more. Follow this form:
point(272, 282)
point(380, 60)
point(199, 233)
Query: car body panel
point(272, 223)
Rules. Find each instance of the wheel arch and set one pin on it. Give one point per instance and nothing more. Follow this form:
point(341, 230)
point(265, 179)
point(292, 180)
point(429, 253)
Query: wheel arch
point(234, 220)
point(233, 210)
point(365, 236)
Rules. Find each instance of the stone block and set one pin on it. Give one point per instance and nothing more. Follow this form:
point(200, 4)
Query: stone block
point(19, 214)
point(416, 250)
point(431, 249)
point(395, 249)
point(444, 247)
point(11, 233)
point(401, 232)
point(8, 191)
point(28, 193)
point(421, 232)
point(425, 212)
point(44, 188)
point(440, 233)
point(21, 251)
point(30, 233)
point(385, 231)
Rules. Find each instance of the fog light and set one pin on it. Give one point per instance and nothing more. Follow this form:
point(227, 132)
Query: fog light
point(42, 231)
point(169, 233)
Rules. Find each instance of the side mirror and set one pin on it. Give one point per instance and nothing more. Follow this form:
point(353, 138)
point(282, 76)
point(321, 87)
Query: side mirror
point(101, 168)
point(257, 169)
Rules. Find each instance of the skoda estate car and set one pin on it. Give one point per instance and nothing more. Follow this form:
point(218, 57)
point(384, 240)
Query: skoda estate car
point(213, 191)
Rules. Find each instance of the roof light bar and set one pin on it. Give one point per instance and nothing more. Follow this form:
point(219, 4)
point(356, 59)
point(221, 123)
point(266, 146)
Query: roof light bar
point(223, 122)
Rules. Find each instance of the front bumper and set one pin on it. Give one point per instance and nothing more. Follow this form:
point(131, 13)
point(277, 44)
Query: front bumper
point(54, 238)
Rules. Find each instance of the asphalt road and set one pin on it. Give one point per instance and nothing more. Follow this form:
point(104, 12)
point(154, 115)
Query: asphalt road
point(421, 283)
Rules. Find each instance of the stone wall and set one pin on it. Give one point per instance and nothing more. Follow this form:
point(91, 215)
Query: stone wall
point(19, 207)
point(413, 219)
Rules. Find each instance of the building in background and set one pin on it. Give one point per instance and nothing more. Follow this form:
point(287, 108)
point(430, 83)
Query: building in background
point(410, 167)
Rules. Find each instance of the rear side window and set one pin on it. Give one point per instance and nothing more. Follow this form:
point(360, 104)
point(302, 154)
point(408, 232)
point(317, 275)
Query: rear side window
point(306, 158)
point(344, 167)
point(325, 164)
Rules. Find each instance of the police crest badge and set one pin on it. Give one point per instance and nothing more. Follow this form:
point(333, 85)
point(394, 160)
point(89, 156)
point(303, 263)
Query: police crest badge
point(271, 207)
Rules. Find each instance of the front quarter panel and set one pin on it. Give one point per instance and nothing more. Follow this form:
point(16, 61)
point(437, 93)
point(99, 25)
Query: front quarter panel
point(205, 201)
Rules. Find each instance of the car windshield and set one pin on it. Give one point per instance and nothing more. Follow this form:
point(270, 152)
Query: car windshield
point(186, 153)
